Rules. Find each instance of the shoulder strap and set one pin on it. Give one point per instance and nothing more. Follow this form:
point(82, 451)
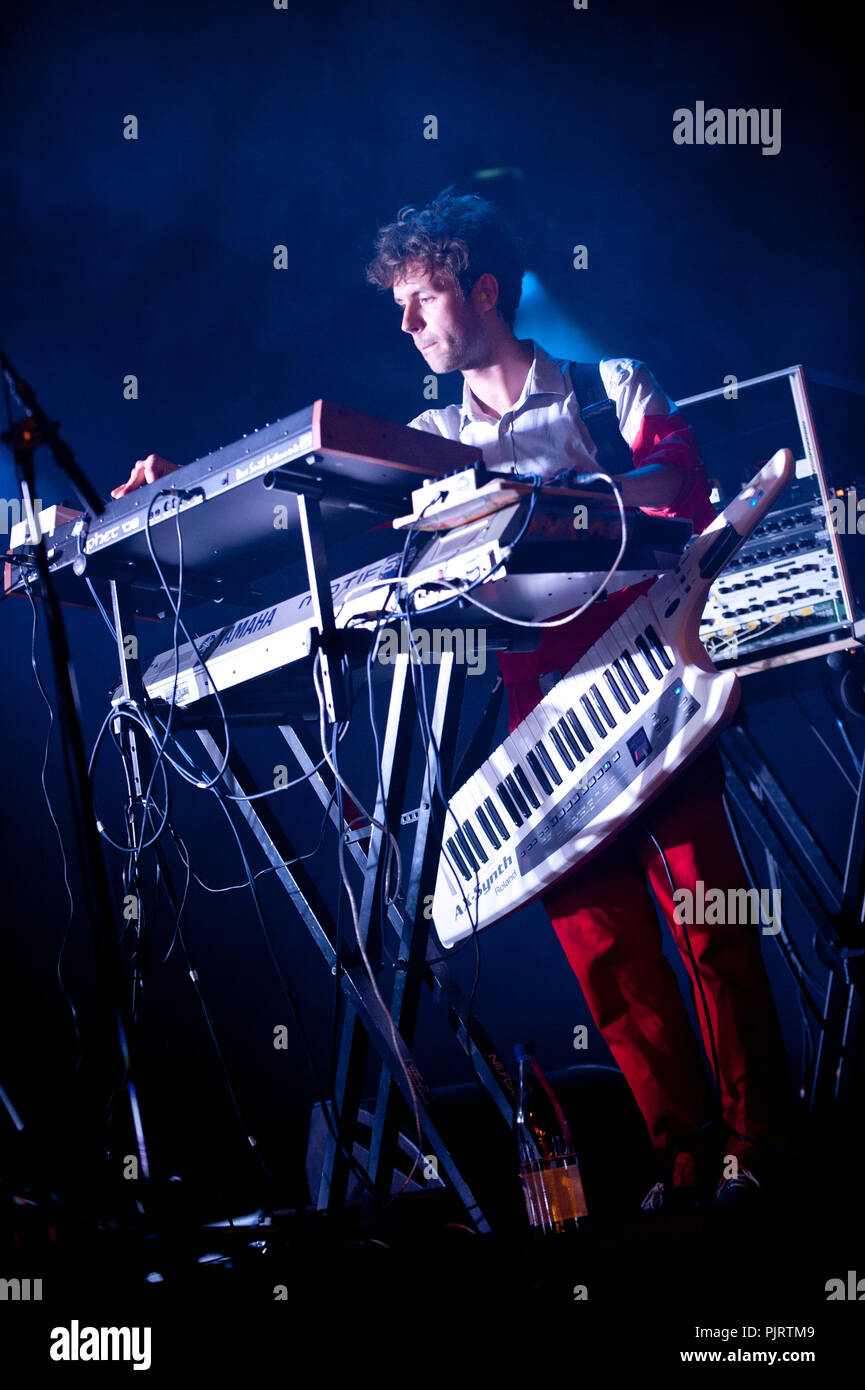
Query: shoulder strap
point(598, 414)
point(588, 384)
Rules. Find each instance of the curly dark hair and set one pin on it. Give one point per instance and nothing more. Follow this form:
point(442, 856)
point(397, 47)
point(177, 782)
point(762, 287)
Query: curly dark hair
point(460, 237)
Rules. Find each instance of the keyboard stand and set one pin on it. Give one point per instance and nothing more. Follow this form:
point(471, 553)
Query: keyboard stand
point(417, 951)
point(834, 906)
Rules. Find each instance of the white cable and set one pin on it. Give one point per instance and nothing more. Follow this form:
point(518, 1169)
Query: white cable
point(733, 642)
point(458, 592)
point(569, 617)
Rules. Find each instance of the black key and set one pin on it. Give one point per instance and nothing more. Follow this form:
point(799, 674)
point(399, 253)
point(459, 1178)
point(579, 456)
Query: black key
point(509, 804)
point(559, 745)
point(571, 741)
point(635, 675)
point(659, 647)
point(548, 762)
point(580, 731)
point(616, 692)
point(521, 804)
point(646, 653)
point(484, 823)
point(603, 706)
point(540, 776)
point(528, 790)
point(457, 858)
point(466, 850)
point(471, 836)
point(626, 684)
point(495, 817)
point(593, 715)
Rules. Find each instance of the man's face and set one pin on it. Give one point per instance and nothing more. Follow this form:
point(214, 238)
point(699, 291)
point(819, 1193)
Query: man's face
point(445, 327)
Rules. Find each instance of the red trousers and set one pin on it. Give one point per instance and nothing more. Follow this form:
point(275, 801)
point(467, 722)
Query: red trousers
point(606, 921)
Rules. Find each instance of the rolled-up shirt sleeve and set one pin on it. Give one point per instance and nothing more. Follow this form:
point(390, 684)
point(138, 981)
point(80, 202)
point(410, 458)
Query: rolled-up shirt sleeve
point(656, 433)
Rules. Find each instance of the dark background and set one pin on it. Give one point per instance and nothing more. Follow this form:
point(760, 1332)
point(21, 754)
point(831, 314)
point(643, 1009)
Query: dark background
point(154, 257)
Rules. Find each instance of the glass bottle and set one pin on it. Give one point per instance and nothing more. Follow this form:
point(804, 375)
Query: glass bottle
point(549, 1170)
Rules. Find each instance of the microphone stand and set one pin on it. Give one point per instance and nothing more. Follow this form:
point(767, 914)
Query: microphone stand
point(23, 437)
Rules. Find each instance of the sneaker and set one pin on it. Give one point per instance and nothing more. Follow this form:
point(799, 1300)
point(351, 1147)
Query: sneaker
point(743, 1188)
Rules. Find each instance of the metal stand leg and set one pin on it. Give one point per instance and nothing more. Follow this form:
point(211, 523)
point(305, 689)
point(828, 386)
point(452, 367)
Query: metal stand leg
point(353, 1045)
point(834, 908)
point(408, 976)
point(354, 982)
point(412, 925)
point(475, 1042)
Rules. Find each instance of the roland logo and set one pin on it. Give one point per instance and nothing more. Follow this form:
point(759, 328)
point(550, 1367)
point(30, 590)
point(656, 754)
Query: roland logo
point(484, 887)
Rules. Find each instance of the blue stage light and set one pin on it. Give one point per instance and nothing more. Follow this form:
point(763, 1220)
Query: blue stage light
point(541, 318)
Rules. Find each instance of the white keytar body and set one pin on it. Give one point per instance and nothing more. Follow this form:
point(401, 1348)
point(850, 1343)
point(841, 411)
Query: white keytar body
point(533, 857)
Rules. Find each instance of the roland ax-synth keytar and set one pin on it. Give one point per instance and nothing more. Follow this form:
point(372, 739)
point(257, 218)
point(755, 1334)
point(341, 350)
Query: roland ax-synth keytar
point(642, 702)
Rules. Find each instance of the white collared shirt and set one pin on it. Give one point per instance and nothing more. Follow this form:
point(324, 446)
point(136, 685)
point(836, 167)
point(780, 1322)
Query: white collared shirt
point(542, 432)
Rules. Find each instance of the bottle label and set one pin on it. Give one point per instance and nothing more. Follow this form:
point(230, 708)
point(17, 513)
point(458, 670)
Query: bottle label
point(554, 1195)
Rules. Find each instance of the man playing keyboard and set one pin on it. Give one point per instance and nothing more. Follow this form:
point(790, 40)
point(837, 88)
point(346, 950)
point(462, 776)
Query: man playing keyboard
point(455, 270)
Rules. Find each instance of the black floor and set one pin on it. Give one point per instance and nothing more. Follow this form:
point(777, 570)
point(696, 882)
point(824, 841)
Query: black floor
point(416, 1294)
